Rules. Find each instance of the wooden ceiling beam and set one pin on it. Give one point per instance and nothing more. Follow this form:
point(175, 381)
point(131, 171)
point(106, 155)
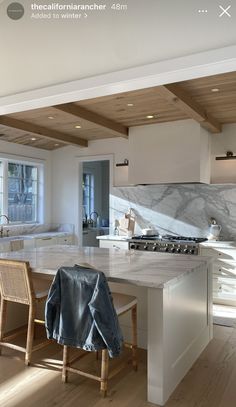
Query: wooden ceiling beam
point(42, 131)
point(181, 99)
point(85, 114)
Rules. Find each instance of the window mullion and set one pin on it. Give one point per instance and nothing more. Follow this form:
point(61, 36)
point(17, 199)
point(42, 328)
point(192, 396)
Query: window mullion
point(5, 187)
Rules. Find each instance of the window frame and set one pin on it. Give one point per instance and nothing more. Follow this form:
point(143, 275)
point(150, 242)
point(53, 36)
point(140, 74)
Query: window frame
point(39, 212)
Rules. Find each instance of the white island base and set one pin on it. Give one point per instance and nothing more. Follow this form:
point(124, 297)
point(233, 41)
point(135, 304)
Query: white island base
point(179, 302)
point(179, 328)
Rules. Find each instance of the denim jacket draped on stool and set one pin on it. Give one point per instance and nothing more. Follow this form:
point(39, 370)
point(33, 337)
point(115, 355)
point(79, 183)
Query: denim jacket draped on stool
point(79, 311)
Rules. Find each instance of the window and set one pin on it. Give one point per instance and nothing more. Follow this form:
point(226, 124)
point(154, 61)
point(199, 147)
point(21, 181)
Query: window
point(19, 186)
point(88, 194)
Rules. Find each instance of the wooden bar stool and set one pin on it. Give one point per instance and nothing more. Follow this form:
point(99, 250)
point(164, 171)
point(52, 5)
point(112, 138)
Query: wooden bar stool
point(122, 303)
point(19, 286)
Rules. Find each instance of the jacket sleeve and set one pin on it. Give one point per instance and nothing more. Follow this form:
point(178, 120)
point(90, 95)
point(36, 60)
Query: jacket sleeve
point(105, 317)
point(52, 305)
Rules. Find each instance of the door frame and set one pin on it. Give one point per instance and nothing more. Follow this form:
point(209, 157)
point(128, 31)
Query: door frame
point(91, 158)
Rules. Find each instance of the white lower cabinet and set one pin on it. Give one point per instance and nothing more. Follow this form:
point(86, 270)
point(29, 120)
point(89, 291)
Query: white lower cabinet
point(224, 274)
point(113, 244)
point(48, 241)
point(5, 247)
point(67, 240)
point(45, 241)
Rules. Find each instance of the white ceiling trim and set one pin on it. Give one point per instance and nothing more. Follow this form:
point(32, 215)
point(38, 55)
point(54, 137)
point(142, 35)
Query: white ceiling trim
point(175, 70)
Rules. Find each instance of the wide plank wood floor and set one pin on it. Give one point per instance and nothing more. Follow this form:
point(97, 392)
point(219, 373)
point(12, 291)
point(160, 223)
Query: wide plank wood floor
point(210, 383)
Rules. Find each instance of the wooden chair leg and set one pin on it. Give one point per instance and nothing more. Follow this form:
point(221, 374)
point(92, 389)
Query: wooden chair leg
point(104, 372)
point(3, 317)
point(65, 363)
point(134, 338)
point(30, 334)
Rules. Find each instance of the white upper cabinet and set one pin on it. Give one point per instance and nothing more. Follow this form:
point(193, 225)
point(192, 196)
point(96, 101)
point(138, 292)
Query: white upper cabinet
point(174, 152)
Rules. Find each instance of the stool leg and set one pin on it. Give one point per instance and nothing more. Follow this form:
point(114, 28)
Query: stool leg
point(134, 337)
point(104, 372)
point(65, 363)
point(30, 334)
point(3, 317)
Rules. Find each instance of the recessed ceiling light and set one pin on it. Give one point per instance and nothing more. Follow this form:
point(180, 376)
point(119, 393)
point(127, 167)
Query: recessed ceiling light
point(150, 116)
point(33, 139)
point(51, 117)
point(215, 90)
point(130, 104)
point(78, 126)
point(56, 145)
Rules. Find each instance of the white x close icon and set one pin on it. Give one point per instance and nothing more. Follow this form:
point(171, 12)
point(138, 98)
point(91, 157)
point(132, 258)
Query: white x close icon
point(225, 11)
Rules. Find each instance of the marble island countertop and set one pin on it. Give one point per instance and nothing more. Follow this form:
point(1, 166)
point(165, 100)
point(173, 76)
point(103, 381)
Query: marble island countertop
point(156, 270)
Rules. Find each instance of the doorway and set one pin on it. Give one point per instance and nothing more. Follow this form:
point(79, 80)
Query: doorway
point(95, 200)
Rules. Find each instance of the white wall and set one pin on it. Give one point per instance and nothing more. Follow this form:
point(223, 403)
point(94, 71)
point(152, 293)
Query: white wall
point(43, 52)
point(16, 151)
point(105, 189)
point(223, 171)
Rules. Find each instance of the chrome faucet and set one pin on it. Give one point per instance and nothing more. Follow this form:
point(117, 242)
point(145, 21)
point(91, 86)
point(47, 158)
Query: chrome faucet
point(5, 216)
point(8, 221)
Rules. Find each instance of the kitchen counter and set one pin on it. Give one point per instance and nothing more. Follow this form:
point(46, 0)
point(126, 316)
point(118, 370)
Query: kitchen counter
point(45, 235)
point(207, 243)
point(179, 312)
point(218, 244)
point(117, 238)
point(34, 236)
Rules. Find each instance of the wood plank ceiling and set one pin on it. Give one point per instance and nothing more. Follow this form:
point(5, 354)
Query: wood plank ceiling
point(211, 101)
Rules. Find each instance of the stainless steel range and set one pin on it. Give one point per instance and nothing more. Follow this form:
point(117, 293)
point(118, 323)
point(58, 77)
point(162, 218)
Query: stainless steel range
point(167, 244)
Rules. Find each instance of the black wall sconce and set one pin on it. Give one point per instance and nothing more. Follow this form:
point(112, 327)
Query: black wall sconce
point(228, 156)
point(124, 164)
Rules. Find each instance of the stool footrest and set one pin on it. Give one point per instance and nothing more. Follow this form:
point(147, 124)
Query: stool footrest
point(12, 346)
point(80, 372)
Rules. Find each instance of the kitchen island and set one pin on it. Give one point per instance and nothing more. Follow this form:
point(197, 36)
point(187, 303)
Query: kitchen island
point(179, 311)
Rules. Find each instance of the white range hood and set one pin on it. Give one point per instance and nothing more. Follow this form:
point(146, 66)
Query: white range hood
point(164, 153)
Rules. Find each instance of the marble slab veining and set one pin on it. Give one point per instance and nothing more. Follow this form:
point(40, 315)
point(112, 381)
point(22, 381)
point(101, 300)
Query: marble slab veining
point(156, 270)
point(183, 209)
point(36, 229)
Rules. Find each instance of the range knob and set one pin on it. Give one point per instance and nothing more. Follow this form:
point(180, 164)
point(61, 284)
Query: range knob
point(137, 246)
point(172, 249)
point(166, 249)
point(191, 251)
point(145, 247)
point(178, 250)
point(154, 247)
point(185, 251)
point(132, 246)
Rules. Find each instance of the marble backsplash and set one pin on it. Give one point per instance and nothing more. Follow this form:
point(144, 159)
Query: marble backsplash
point(178, 209)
